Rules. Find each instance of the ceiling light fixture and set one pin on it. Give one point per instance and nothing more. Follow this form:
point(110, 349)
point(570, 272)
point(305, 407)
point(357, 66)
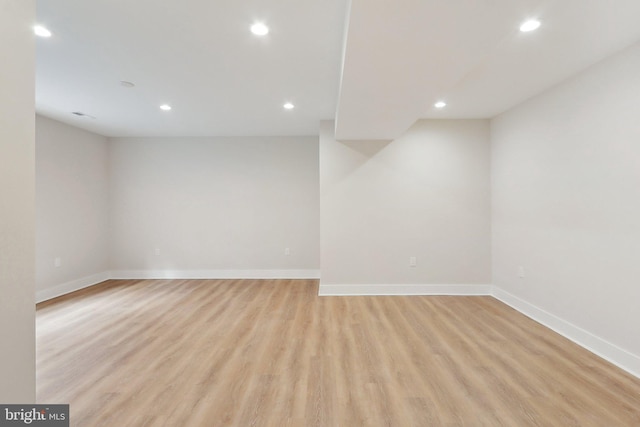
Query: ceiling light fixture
point(440, 104)
point(288, 106)
point(41, 31)
point(259, 29)
point(530, 25)
point(165, 107)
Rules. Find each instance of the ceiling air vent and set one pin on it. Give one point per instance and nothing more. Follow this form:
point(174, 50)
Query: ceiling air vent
point(81, 114)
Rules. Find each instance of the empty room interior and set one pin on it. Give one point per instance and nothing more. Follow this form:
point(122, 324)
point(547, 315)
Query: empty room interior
point(321, 213)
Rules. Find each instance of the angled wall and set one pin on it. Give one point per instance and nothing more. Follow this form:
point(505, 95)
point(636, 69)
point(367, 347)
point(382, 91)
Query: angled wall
point(566, 207)
point(424, 195)
point(71, 208)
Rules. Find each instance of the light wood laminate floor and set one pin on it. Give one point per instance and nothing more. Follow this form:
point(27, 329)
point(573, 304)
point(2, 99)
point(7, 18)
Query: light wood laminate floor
point(273, 353)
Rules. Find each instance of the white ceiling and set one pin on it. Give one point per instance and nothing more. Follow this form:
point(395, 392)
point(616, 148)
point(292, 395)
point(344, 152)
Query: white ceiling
point(397, 58)
point(403, 56)
point(196, 55)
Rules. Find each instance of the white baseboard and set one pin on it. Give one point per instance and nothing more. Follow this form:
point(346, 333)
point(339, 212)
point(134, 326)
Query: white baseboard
point(85, 282)
point(353, 290)
point(602, 348)
point(72, 286)
point(610, 352)
point(215, 274)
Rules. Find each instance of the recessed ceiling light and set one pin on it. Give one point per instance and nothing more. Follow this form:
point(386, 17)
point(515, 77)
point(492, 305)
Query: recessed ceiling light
point(259, 29)
point(41, 31)
point(288, 106)
point(165, 107)
point(440, 104)
point(125, 83)
point(530, 25)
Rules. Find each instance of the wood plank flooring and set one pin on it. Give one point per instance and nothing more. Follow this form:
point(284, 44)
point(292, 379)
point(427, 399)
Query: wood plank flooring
point(273, 353)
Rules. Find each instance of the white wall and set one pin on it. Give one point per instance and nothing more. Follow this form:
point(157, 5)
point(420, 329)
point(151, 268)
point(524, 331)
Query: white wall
point(212, 207)
point(566, 202)
point(425, 194)
point(17, 248)
point(71, 208)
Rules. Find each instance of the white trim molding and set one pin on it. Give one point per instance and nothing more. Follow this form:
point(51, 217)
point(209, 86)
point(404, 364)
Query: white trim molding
point(606, 350)
point(602, 348)
point(94, 279)
point(72, 286)
point(215, 274)
point(380, 289)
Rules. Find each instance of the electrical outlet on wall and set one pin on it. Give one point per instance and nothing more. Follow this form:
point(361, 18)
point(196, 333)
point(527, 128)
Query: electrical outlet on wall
point(287, 251)
point(157, 251)
point(57, 262)
point(412, 261)
point(521, 272)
